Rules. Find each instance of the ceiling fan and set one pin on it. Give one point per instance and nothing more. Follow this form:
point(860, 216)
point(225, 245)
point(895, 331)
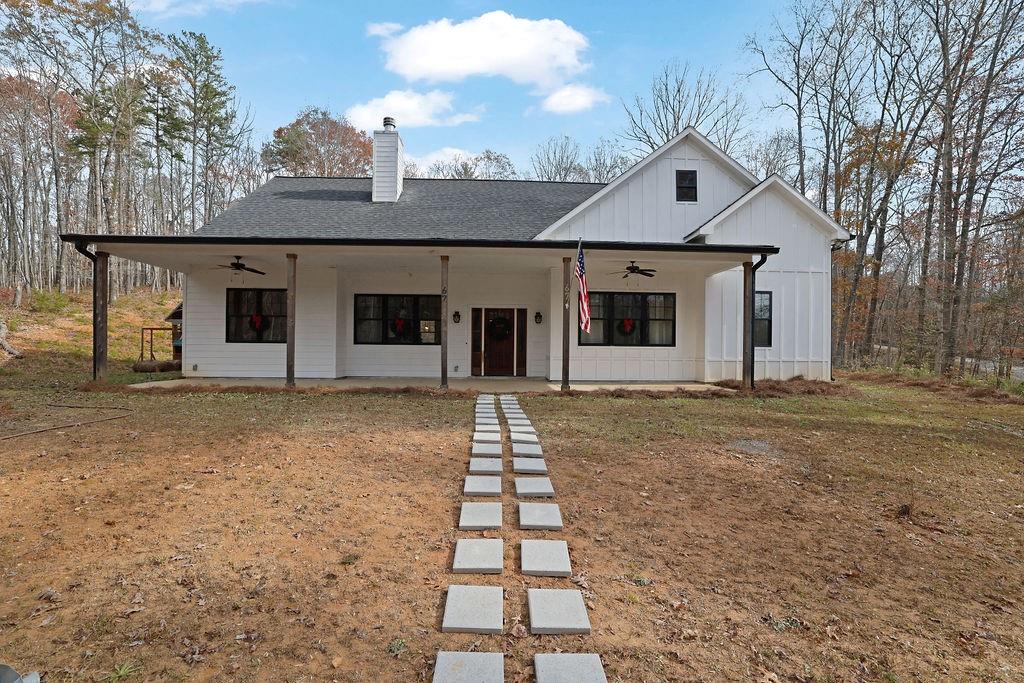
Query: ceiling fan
point(238, 265)
point(634, 269)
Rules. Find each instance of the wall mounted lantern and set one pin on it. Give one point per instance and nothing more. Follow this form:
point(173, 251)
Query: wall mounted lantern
point(538, 317)
point(456, 317)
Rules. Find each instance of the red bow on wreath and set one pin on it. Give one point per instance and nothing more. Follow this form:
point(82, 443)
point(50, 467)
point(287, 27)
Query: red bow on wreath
point(399, 325)
point(627, 325)
point(256, 321)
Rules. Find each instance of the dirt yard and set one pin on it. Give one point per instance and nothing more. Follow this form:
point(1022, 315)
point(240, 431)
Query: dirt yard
point(873, 536)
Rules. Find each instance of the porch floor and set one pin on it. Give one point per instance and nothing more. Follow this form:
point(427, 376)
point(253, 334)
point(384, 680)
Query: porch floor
point(483, 384)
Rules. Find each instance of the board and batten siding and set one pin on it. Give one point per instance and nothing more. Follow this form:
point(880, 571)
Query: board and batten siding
point(467, 289)
point(682, 362)
point(206, 353)
point(800, 280)
point(644, 208)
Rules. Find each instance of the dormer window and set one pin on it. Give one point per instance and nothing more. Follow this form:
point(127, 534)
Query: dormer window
point(686, 186)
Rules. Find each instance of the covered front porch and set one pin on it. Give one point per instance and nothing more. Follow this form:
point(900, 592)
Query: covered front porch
point(484, 309)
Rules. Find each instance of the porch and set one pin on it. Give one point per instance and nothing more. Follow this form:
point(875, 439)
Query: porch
point(334, 324)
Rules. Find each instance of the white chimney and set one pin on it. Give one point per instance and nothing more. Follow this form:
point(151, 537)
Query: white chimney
point(388, 163)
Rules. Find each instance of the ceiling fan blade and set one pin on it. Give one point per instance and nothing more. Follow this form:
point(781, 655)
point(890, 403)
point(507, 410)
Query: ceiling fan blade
point(252, 270)
point(646, 273)
point(625, 276)
point(221, 265)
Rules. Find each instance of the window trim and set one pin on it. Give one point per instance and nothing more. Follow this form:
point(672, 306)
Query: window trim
point(754, 319)
point(696, 193)
point(228, 315)
point(383, 334)
point(644, 319)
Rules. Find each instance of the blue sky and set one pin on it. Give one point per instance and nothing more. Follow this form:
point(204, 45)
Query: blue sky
point(463, 75)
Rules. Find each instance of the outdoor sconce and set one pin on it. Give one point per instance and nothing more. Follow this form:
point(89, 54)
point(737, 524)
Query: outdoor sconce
point(456, 317)
point(538, 317)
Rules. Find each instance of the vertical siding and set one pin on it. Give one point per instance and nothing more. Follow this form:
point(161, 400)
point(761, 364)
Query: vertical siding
point(799, 277)
point(644, 208)
point(682, 362)
point(204, 326)
point(467, 288)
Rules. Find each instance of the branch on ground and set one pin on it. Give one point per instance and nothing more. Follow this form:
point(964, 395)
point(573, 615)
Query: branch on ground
point(4, 344)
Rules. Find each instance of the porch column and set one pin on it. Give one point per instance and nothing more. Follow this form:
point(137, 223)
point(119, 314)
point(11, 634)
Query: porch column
point(100, 300)
point(444, 322)
point(748, 324)
point(290, 350)
point(566, 288)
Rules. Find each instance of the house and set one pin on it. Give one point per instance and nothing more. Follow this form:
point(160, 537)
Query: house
point(698, 271)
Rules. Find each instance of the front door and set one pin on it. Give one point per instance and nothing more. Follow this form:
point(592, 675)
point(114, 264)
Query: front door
point(499, 341)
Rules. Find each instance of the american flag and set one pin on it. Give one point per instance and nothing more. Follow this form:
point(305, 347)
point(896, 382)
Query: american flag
point(581, 277)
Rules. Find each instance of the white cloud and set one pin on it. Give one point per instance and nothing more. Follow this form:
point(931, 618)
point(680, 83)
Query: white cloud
point(190, 8)
point(542, 52)
point(424, 161)
point(411, 109)
point(383, 29)
point(572, 98)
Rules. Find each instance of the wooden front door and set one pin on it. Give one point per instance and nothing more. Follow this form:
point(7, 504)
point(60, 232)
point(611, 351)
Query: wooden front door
point(499, 341)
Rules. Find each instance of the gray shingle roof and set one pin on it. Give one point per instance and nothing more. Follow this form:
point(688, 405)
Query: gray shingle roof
point(427, 209)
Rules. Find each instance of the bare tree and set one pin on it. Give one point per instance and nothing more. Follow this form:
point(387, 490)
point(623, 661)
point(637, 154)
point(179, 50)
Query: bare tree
point(677, 99)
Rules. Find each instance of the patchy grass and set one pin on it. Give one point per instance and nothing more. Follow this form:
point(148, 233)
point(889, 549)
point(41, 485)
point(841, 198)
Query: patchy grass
point(870, 536)
point(865, 531)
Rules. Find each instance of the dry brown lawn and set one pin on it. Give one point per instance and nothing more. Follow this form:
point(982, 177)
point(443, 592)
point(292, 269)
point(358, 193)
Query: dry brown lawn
point(868, 536)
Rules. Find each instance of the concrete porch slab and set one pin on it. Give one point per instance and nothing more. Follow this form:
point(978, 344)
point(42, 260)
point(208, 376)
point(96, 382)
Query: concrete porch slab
point(527, 384)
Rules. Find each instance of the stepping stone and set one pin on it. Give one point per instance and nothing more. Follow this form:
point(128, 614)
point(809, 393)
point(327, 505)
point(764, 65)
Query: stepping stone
point(480, 516)
point(527, 450)
point(514, 412)
point(486, 413)
point(543, 516)
point(512, 405)
point(568, 668)
point(483, 556)
point(482, 486)
point(524, 438)
point(555, 610)
point(507, 396)
point(522, 429)
point(488, 428)
point(486, 421)
point(486, 437)
point(492, 450)
point(471, 667)
point(488, 466)
point(474, 609)
point(544, 558)
point(519, 422)
point(531, 487)
point(526, 466)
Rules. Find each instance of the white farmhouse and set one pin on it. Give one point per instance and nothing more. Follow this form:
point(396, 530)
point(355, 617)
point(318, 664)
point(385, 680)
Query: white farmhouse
point(697, 270)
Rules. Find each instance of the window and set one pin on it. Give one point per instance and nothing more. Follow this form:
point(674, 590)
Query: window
point(686, 186)
point(257, 316)
point(762, 319)
point(631, 319)
point(397, 319)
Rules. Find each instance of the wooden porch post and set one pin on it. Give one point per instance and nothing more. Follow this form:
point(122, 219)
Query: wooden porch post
point(566, 289)
point(444, 322)
point(100, 301)
point(748, 324)
point(290, 350)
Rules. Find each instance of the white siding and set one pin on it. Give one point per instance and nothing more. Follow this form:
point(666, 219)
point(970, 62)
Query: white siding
point(467, 289)
point(644, 207)
point(207, 354)
point(682, 362)
point(799, 277)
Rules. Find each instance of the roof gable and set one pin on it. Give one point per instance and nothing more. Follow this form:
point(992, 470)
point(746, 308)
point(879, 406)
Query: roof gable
point(821, 219)
point(689, 133)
